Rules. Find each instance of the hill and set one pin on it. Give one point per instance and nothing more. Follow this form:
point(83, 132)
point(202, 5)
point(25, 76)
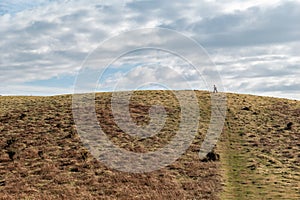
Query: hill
point(42, 156)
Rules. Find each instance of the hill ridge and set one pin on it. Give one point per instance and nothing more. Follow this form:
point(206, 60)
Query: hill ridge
point(42, 156)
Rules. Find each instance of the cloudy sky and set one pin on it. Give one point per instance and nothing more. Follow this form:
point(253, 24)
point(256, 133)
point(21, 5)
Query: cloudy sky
point(255, 44)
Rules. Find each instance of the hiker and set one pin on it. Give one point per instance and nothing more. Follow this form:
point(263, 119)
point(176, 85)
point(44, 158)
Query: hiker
point(215, 89)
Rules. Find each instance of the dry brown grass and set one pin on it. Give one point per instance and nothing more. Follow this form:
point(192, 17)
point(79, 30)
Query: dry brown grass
point(42, 157)
point(49, 161)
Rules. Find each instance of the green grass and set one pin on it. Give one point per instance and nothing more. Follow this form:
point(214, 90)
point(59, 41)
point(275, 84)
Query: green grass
point(253, 147)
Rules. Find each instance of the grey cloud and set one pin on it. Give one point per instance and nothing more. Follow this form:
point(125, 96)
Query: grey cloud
point(254, 27)
point(76, 16)
point(32, 47)
point(262, 71)
point(56, 38)
point(278, 87)
point(38, 28)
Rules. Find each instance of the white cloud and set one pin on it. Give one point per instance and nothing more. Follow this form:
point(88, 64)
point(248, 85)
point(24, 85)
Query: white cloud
point(162, 77)
point(33, 90)
point(250, 41)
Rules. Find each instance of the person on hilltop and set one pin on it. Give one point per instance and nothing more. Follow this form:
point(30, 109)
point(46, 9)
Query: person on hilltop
point(215, 89)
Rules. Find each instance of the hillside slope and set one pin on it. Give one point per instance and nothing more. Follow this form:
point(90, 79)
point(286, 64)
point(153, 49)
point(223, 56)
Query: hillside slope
point(261, 148)
point(42, 157)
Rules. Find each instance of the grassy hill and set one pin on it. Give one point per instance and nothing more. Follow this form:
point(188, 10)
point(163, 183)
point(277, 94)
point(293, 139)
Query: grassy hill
point(42, 157)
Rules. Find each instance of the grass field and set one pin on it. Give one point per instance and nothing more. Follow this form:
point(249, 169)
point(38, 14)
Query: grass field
point(42, 157)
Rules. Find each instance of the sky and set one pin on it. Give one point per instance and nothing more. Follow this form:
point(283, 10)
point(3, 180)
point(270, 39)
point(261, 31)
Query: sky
point(255, 45)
